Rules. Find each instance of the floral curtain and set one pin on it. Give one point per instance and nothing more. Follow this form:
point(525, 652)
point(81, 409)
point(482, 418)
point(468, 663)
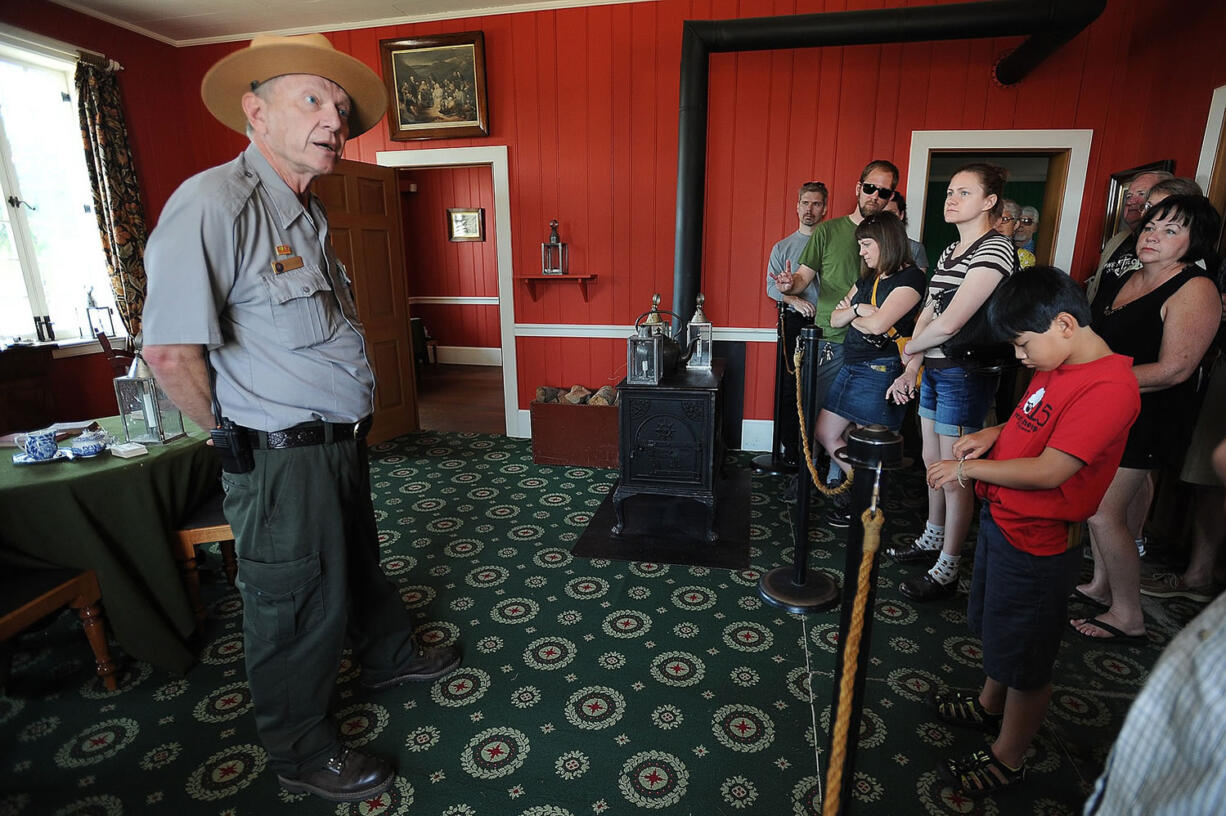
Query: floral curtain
point(117, 200)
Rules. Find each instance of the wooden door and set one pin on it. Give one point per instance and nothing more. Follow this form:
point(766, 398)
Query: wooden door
point(364, 220)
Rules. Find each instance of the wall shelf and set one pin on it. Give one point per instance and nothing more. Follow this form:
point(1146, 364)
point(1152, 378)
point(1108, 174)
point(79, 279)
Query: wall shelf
point(533, 280)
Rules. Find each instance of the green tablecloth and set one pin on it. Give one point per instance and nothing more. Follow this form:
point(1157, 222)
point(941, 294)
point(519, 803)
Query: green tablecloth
point(114, 516)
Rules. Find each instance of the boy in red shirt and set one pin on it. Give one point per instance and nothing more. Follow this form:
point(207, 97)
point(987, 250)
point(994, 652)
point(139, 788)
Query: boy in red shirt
point(1046, 472)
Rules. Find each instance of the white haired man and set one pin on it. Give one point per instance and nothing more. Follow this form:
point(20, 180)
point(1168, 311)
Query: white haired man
point(251, 327)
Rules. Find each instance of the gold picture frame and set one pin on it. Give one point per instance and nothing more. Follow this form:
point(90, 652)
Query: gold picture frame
point(436, 86)
point(465, 224)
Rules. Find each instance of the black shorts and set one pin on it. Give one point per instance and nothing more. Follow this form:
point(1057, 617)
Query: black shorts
point(1019, 606)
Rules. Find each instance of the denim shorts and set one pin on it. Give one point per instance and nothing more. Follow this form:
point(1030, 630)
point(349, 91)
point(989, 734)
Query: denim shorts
point(1019, 606)
point(858, 393)
point(957, 400)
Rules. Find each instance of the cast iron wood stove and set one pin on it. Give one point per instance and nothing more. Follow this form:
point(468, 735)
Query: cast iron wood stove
point(669, 443)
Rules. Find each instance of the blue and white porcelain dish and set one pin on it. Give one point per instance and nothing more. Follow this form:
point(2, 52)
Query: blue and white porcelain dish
point(26, 459)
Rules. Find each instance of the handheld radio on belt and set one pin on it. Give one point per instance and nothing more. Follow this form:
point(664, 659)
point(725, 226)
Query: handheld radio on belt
point(231, 442)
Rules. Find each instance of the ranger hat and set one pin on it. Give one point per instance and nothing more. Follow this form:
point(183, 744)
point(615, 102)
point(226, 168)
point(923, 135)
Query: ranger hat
point(269, 56)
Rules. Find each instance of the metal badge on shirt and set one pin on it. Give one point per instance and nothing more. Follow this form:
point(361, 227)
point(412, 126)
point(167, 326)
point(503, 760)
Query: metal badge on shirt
point(286, 260)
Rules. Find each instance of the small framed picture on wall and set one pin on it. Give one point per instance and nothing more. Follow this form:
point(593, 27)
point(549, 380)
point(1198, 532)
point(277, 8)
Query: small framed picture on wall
point(465, 224)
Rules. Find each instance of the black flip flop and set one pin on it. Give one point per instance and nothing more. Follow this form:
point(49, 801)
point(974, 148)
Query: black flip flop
point(1080, 597)
point(1117, 635)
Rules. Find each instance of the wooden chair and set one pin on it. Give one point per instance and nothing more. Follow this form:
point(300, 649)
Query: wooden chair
point(204, 525)
point(120, 359)
point(29, 595)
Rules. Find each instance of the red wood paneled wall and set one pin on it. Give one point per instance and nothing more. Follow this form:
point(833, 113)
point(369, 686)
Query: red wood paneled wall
point(438, 267)
point(586, 101)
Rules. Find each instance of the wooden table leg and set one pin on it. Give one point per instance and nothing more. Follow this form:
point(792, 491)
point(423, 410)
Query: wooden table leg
point(95, 632)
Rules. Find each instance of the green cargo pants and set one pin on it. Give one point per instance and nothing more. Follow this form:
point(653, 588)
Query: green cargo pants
point(309, 575)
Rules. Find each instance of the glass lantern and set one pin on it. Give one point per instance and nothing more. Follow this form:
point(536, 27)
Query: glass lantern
point(149, 417)
point(644, 353)
point(553, 253)
point(700, 336)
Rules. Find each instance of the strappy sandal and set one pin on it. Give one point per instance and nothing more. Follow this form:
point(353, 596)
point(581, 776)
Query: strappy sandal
point(963, 708)
point(981, 774)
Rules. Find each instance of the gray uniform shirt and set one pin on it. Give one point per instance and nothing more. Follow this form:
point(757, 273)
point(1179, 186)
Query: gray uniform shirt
point(789, 249)
point(287, 346)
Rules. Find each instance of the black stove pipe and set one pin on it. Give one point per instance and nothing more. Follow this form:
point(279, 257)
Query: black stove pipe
point(1050, 24)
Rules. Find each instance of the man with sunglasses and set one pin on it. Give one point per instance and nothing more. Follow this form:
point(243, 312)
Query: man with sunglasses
point(832, 258)
point(785, 255)
point(1027, 226)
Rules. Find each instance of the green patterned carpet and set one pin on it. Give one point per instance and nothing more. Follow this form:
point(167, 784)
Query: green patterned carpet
point(588, 687)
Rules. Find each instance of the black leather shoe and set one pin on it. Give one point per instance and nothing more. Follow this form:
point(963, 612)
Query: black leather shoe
point(349, 776)
point(911, 554)
point(427, 664)
point(923, 588)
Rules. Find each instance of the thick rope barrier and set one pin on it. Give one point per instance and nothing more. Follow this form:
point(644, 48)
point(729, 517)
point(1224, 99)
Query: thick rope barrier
point(804, 438)
point(873, 522)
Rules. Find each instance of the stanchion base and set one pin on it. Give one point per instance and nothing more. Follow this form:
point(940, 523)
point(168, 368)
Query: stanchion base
point(770, 465)
point(817, 594)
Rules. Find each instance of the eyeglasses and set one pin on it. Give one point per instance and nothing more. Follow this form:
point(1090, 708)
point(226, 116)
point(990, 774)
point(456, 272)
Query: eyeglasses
point(1025, 222)
point(1007, 219)
point(1133, 194)
point(884, 193)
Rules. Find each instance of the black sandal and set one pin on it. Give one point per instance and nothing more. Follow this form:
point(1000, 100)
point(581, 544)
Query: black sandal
point(981, 774)
point(963, 708)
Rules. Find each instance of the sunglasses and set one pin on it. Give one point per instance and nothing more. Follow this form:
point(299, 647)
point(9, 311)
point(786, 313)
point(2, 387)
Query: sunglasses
point(1026, 222)
point(884, 193)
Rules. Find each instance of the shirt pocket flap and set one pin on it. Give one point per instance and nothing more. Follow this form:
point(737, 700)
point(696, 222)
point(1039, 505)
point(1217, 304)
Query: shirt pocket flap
point(297, 283)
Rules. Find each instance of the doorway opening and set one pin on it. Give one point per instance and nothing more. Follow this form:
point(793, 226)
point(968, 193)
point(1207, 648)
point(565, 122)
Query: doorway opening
point(452, 284)
point(1027, 185)
point(498, 230)
point(1066, 153)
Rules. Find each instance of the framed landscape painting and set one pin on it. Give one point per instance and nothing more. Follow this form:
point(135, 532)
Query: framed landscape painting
point(436, 86)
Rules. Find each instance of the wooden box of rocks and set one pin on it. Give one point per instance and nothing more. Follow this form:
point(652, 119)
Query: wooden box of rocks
point(575, 426)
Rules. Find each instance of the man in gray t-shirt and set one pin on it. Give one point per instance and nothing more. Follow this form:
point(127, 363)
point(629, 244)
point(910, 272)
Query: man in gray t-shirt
point(800, 308)
point(241, 265)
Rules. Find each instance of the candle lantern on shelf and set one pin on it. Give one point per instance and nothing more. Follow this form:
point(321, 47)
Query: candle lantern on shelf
point(553, 253)
point(149, 417)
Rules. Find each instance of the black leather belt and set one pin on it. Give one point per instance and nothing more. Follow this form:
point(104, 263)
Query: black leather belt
point(309, 433)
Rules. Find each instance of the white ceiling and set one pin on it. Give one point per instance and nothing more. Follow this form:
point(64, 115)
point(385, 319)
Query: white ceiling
point(194, 22)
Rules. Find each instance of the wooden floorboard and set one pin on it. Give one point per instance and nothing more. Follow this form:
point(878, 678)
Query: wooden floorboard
point(462, 398)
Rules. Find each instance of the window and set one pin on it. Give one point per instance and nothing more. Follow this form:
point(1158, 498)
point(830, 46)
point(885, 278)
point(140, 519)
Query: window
point(52, 265)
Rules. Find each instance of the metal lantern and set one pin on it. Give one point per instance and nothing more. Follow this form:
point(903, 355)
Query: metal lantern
point(651, 352)
point(553, 253)
point(644, 351)
point(149, 417)
point(699, 334)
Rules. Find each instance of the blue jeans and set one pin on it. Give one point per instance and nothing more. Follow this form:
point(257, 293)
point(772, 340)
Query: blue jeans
point(957, 400)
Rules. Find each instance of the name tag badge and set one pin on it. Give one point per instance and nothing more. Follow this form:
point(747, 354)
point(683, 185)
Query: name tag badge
point(286, 264)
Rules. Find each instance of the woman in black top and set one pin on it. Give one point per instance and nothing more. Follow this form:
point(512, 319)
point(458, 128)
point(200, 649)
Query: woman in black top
point(878, 308)
point(1163, 313)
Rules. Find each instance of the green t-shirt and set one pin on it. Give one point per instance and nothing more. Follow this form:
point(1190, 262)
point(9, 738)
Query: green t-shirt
point(832, 252)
